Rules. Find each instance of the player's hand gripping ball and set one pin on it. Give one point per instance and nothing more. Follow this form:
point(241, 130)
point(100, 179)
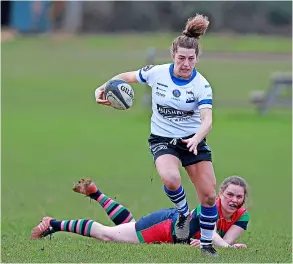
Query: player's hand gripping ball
point(119, 93)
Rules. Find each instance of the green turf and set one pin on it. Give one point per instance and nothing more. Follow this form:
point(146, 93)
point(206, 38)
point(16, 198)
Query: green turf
point(53, 133)
point(209, 42)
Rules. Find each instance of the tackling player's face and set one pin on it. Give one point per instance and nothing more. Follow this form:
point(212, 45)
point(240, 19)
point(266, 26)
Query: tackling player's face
point(232, 198)
point(184, 62)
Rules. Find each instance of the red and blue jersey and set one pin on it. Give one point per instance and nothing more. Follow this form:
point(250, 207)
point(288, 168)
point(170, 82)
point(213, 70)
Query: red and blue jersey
point(239, 218)
point(159, 226)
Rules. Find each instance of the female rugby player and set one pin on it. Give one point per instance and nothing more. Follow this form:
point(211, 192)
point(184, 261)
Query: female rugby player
point(181, 120)
point(159, 226)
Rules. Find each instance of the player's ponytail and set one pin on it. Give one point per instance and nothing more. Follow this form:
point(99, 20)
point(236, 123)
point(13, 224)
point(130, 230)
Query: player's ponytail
point(195, 27)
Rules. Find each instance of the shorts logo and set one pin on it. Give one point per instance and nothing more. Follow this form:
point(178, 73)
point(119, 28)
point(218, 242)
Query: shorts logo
point(206, 147)
point(157, 147)
point(176, 93)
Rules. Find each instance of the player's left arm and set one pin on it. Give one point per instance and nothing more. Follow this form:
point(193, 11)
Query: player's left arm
point(222, 242)
point(217, 241)
point(237, 229)
point(229, 238)
point(205, 104)
point(205, 101)
point(206, 124)
point(232, 234)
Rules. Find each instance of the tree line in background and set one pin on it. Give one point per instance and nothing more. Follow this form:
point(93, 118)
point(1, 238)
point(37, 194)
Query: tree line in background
point(259, 17)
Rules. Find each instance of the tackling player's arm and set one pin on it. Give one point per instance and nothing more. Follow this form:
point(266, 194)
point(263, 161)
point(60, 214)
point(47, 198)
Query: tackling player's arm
point(218, 241)
point(230, 237)
point(233, 233)
point(237, 228)
point(222, 242)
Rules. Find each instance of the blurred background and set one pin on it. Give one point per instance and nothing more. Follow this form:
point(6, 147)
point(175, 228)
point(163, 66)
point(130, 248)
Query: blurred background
point(271, 17)
point(53, 56)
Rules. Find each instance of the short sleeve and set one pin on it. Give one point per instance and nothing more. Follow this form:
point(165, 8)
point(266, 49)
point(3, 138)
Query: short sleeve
point(205, 95)
point(145, 74)
point(243, 221)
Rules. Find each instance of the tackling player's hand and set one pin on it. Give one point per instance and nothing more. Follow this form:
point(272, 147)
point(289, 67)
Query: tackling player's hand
point(194, 242)
point(239, 246)
point(99, 95)
point(191, 144)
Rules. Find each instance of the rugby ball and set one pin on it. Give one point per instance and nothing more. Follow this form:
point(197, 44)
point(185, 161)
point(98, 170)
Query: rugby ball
point(119, 93)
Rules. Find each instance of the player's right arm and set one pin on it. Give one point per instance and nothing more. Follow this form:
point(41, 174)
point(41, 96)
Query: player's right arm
point(141, 76)
point(129, 77)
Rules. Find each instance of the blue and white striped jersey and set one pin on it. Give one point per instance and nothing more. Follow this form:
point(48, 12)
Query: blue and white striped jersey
point(176, 102)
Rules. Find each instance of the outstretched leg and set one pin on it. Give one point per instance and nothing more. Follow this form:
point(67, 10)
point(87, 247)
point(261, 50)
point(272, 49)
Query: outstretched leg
point(115, 211)
point(123, 233)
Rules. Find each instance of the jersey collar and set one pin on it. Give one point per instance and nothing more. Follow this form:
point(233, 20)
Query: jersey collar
point(179, 81)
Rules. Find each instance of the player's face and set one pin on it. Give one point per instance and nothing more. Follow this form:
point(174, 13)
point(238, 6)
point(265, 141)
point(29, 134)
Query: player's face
point(232, 197)
point(184, 62)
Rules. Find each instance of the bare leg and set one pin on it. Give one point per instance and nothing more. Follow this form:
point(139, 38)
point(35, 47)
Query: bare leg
point(168, 168)
point(203, 177)
point(125, 233)
point(122, 233)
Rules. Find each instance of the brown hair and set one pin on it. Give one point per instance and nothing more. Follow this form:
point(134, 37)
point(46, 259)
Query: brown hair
point(189, 39)
point(236, 180)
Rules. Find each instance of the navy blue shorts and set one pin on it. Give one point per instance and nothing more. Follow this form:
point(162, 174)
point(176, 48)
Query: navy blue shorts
point(157, 227)
point(163, 145)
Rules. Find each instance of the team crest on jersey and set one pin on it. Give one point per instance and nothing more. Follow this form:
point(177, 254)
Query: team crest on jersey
point(147, 68)
point(176, 93)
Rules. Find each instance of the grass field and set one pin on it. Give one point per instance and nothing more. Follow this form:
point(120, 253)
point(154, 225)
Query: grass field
point(53, 133)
